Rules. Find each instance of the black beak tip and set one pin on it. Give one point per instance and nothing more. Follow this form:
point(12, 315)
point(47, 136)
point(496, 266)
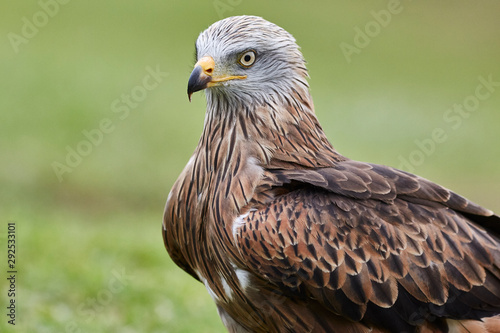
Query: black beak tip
point(197, 81)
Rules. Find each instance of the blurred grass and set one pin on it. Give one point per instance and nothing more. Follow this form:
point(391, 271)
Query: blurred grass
point(105, 215)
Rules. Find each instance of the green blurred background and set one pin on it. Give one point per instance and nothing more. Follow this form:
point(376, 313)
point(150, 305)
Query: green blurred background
point(90, 256)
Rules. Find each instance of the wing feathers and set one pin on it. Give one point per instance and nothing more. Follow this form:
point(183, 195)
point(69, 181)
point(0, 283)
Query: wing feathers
point(364, 180)
point(359, 236)
point(384, 293)
point(358, 287)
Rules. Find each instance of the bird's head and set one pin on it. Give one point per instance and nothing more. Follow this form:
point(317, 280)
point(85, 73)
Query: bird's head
point(246, 58)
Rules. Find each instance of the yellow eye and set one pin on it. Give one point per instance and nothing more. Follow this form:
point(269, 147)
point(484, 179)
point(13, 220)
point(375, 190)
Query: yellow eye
point(248, 58)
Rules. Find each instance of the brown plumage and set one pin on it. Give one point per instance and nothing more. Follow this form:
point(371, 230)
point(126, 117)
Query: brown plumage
point(290, 236)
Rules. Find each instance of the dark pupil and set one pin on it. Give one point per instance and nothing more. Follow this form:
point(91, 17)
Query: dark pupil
point(248, 58)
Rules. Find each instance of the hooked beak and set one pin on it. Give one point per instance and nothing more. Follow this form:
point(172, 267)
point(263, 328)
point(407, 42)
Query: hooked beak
point(202, 76)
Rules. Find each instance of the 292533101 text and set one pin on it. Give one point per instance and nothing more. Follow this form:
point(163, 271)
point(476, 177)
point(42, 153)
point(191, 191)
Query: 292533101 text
point(11, 272)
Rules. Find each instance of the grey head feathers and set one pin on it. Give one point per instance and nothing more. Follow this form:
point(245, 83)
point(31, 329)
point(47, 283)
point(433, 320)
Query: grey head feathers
point(278, 69)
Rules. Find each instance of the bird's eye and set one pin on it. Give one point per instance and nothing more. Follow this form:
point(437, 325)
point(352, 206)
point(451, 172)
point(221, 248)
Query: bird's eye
point(248, 58)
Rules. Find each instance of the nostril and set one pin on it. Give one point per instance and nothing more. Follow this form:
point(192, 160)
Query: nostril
point(209, 70)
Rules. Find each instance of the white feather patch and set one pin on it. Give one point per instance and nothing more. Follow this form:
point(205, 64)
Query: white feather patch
point(227, 288)
point(210, 291)
point(238, 222)
point(243, 278)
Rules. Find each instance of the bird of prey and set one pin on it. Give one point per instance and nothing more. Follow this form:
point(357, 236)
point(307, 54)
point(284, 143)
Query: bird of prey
point(288, 235)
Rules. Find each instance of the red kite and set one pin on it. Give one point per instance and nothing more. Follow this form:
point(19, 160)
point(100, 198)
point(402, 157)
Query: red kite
point(290, 236)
